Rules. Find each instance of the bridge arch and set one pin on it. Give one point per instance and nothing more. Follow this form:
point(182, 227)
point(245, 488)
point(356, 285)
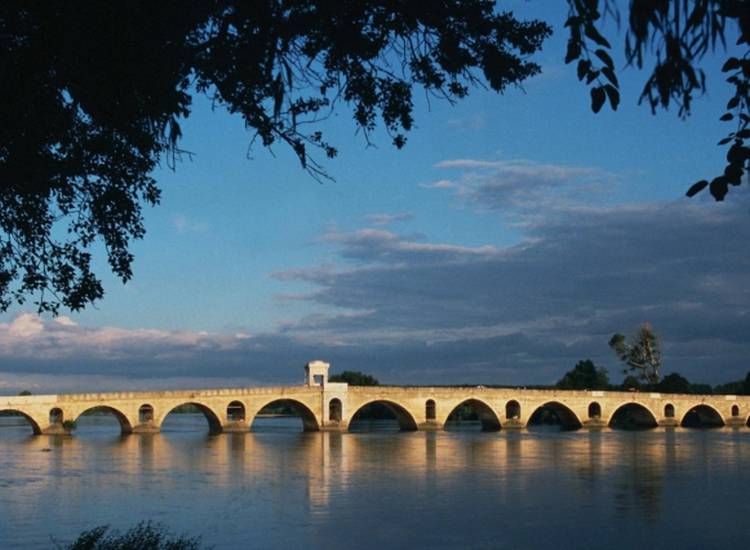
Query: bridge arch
point(633, 416)
point(145, 413)
point(702, 415)
point(512, 410)
point(309, 421)
point(406, 420)
point(488, 417)
point(125, 425)
point(335, 410)
point(212, 417)
point(430, 410)
point(568, 419)
point(35, 427)
point(236, 411)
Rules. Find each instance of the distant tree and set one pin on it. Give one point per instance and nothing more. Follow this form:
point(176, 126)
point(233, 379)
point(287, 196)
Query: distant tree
point(24, 393)
point(642, 354)
point(673, 383)
point(630, 382)
point(701, 389)
point(730, 388)
point(354, 378)
point(736, 387)
point(585, 375)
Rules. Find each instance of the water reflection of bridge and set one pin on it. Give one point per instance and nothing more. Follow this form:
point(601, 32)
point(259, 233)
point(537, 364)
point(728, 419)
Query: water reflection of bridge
point(324, 405)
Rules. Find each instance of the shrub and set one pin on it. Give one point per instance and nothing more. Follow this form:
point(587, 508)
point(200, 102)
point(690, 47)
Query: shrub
point(144, 536)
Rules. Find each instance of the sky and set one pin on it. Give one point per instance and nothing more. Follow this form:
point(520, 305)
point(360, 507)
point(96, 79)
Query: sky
point(510, 238)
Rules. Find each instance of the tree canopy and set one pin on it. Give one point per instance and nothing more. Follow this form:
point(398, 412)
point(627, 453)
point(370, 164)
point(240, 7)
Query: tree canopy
point(585, 376)
point(674, 383)
point(92, 96)
point(354, 378)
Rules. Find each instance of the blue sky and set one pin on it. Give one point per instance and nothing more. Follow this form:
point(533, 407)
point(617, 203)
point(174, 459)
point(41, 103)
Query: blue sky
point(510, 238)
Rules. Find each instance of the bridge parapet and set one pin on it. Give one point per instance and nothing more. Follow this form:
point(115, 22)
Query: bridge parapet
point(332, 406)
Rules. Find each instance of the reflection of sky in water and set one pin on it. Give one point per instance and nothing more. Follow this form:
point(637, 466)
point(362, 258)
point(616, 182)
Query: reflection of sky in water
point(276, 487)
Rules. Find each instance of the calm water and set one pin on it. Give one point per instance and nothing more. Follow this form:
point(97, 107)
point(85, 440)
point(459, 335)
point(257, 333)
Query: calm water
point(278, 488)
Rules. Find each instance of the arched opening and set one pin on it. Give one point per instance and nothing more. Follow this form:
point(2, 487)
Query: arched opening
point(735, 410)
point(669, 410)
point(378, 416)
point(335, 410)
point(702, 416)
point(13, 421)
point(430, 412)
point(473, 414)
point(235, 412)
point(56, 416)
point(284, 415)
point(102, 420)
point(595, 410)
point(145, 414)
point(632, 416)
point(191, 417)
point(512, 410)
point(553, 416)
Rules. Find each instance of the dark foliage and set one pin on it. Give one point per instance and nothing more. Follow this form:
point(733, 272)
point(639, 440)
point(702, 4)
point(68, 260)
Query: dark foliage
point(641, 354)
point(585, 375)
point(739, 387)
point(354, 378)
point(674, 383)
point(144, 536)
point(92, 94)
point(676, 35)
point(630, 382)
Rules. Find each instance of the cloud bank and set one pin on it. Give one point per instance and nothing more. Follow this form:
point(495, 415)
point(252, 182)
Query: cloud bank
point(414, 311)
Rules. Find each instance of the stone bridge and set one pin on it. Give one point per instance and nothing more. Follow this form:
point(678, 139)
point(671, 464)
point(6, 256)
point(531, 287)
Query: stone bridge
point(325, 405)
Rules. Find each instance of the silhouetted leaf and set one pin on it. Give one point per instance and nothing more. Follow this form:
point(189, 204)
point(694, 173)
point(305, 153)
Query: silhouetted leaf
point(610, 74)
point(604, 56)
point(733, 173)
point(598, 97)
point(730, 64)
point(614, 96)
point(726, 117)
point(583, 67)
point(724, 141)
point(733, 102)
point(574, 51)
point(719, 188)
point(594, 35)
point(696, 188)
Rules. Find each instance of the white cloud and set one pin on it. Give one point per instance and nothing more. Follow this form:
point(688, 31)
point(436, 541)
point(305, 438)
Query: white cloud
point(521, 187)
point(475, 121)
point(383, 219)
point(557, 297)
point(183, 224)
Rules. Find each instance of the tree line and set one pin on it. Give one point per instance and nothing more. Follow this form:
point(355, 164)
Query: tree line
point(587, 376)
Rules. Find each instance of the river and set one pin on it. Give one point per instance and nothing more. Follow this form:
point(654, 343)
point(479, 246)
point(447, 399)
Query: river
point(276, 487)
